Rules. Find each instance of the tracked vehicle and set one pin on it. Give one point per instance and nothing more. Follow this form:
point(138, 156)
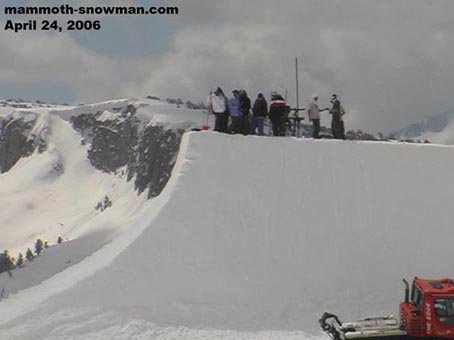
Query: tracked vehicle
point(426, 313)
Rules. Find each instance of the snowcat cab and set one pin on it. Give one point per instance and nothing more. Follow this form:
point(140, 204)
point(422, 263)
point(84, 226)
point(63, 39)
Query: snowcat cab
point(428, 313)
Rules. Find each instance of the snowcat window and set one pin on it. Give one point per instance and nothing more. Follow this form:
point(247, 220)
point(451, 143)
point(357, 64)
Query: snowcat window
point(417, 297)
point(414, 294)
point(444, 309)
point(440, 308)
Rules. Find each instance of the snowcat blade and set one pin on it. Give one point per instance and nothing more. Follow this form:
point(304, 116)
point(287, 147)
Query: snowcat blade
point(381, 328)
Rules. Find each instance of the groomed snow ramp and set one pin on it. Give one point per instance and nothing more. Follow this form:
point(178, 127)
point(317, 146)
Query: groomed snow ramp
point(266, 234)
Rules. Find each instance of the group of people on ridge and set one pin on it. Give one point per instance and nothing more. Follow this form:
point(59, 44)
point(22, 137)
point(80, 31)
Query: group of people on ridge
point(239, 106)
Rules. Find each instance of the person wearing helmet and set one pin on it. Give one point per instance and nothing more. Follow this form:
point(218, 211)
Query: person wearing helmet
point(335, 111)
point(313, 112)
point(277, 112)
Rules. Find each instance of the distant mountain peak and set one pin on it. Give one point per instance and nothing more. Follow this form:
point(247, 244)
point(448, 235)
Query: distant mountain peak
point(438, 128)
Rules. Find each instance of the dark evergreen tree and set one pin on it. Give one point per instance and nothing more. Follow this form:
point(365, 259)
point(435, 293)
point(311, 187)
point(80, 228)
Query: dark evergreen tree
point(20, 261)
point(39, 246)
point(2, 263)
point(29, 255)
point(107, 202)
point(6, 262)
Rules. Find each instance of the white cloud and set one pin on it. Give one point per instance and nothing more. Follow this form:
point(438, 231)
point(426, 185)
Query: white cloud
point(46, 58)
point(390, 60)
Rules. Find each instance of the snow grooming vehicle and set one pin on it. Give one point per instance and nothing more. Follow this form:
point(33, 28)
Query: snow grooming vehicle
point(428, 314)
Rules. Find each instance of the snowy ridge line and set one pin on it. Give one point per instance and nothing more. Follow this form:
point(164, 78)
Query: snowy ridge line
point(30, 299)
point(66, 112)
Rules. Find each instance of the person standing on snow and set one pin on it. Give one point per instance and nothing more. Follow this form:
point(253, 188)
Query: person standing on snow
point(245, 108)
point(259, 112)
point(278, 109)
point(313, 112)
point(217, 104)
point(234, 107)
point(335, 111)
point(342, 126)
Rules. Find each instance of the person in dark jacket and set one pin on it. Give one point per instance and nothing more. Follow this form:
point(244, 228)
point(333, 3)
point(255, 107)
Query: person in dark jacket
point(245, 109)
point(259, 112)
point(278, 110)
point(335, 111)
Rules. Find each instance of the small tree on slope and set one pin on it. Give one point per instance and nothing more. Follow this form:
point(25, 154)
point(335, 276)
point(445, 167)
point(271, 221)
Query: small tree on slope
point(20, 261)
point(29, 255)
point(39, 246)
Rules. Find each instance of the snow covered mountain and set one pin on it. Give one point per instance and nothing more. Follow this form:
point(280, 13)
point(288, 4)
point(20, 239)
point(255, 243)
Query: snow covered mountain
point(250, 238)
point(59, 162)
point(437, 129)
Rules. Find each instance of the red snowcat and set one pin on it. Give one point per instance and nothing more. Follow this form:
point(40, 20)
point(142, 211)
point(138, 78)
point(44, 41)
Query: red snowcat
point(427, 314)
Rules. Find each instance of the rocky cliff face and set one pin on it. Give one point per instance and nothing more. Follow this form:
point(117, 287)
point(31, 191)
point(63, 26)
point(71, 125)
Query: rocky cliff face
point(17, 140)
point(117, 141)
point(121, 141)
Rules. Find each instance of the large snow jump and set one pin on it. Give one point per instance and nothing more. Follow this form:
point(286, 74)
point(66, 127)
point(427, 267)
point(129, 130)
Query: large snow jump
point(258, 234)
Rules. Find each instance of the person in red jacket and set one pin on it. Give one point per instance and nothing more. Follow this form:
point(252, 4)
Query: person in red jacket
point(259, 112)
point(278, 110)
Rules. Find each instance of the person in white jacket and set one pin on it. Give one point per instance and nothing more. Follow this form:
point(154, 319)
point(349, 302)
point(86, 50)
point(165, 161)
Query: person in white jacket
point(217, 104)
point(313, 112)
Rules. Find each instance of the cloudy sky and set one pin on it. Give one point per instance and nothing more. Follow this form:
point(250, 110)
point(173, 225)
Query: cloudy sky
point(391, 61)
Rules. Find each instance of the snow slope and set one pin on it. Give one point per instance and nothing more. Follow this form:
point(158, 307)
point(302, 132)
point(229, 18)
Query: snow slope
point(54, 193)
point(253, 238)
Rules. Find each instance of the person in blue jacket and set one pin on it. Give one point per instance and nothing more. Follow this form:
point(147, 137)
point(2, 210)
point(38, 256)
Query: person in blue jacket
point(235, 114)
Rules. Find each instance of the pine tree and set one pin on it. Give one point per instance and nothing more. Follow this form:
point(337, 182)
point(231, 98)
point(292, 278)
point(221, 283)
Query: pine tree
point(7, 262)
point(2, 263)
point(29, 255)
point(39, 246)
point(20, 261)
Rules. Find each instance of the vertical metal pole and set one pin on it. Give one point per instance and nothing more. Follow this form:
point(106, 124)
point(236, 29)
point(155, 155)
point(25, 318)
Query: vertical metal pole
point(297, 123)
point(297, 85)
